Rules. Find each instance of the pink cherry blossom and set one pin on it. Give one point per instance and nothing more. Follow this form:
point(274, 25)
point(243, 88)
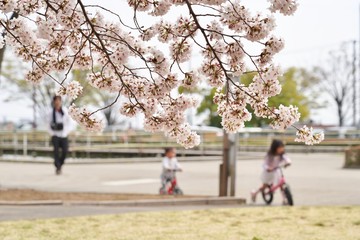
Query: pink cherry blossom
point(286, 7)
point(306, 135)
point(190, 80)
point(73, 90)
point(2, 42)
point(7, 6)
point(83, 117)
point(285, 117)
point(266, 83)
point(181, 51)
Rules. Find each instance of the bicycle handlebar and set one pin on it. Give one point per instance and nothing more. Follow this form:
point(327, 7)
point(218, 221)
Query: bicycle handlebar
point(174, 170)
point(279, 167)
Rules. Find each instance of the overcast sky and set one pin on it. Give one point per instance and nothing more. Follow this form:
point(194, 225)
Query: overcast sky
point(316, 28)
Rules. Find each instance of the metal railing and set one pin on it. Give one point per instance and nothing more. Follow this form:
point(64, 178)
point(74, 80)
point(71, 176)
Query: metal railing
point(85, 144)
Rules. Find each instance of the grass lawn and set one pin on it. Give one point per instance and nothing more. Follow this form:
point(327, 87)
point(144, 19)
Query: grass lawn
point(298, 223)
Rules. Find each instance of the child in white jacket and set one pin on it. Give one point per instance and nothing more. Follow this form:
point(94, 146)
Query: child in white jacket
point(170, 165)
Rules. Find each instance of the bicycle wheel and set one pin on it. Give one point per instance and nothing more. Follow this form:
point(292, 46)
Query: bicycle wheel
point(267, 195)
point(162, 191)
point(178, 191)
point(288, 195)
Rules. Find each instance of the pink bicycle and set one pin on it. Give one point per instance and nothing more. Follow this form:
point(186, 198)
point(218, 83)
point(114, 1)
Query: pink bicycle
point(268, 192)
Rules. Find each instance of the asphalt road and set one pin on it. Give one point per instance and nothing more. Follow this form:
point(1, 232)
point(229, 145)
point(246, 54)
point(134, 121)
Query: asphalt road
point(315, 179)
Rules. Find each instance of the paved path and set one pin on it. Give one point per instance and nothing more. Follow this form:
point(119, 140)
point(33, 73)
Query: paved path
point(316, 179)
point(12, 213)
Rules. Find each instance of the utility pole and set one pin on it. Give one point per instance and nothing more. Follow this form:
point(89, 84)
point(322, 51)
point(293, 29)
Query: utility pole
point(228, 165)
point(34, 108)
point(224, 167)
point(233, 140)
point(358, 123)
point(354, 84)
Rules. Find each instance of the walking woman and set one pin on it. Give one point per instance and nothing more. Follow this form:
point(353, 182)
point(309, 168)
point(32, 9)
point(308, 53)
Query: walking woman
point(60, 125)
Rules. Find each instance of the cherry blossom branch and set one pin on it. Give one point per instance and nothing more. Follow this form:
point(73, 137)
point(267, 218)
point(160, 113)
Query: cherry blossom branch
point(113, 13)
point(68, 37)
point(26, 49)
point(109, 105)
point(103, 45)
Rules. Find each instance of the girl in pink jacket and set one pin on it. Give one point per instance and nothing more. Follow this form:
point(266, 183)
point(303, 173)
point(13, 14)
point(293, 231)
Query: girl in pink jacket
point(274, 159)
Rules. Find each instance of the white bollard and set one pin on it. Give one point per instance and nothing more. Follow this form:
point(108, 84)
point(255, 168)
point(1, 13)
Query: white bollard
point(25, 145)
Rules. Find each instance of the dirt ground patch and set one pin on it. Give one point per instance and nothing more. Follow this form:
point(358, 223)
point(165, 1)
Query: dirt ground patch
point(32, 195)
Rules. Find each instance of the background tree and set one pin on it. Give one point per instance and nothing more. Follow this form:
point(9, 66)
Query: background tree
point(99, 99)
point(37, 97)
point(2, 50)
point(208, 107)
point(41, 95)
point(336, 83)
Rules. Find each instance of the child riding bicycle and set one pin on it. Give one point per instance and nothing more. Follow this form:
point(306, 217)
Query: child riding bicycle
point(274, 159)
point(170, 166)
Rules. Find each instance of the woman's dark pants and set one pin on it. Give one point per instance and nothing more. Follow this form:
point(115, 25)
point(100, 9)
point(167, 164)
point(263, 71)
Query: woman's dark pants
point(60, 143)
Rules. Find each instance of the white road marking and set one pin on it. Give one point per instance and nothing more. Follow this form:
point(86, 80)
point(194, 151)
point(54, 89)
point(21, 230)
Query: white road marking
point(132, 182)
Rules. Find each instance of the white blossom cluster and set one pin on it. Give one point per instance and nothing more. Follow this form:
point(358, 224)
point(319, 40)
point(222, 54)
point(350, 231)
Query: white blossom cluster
point(286, 7)
point(306, 135)
point(2, 42)
point(285, 117)
point(233, 111)
point(73, 90)
point(59, 36)
point(83, 117)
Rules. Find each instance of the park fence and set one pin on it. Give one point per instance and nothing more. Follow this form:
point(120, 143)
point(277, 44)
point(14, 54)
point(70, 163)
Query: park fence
point(133, 143)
